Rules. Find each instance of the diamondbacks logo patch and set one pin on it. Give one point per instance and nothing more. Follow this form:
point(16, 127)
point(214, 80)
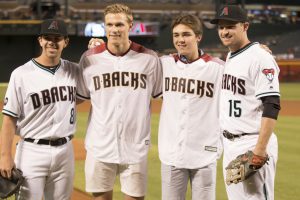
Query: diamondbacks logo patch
point(224, 11)
point(53, 26)
point(269, 74)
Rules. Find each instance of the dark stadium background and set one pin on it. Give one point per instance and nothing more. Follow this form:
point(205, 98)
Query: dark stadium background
point(273, 22)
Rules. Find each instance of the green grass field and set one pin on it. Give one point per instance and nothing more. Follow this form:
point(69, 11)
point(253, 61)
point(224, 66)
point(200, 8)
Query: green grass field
point(287, 130)
point(290, 91)
point(286, 185)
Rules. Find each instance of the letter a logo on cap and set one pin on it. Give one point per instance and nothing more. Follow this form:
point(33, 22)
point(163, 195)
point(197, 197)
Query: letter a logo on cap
point(53, 26)
point(224, 12)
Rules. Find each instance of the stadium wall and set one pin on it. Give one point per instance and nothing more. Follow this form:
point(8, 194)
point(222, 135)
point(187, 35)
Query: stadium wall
point(15, 50)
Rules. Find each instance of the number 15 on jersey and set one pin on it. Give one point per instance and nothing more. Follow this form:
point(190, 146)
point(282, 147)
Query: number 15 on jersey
point(235, 109)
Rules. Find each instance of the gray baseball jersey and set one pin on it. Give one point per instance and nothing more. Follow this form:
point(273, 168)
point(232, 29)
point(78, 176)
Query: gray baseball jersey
point(42, 100)
point(189, 130)
point(120, 89)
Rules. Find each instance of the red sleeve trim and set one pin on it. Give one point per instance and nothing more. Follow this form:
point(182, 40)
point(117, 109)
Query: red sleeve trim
point(137, 47)
point(141, 49)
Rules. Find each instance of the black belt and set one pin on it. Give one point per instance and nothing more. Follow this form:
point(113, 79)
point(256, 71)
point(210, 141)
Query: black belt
point(56, 142)
point(231, 136)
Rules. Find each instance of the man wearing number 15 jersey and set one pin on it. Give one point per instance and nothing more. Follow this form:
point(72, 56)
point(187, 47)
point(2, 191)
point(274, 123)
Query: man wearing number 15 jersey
point(250, 103)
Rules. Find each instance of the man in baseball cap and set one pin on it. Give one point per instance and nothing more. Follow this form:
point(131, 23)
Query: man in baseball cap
point(53, 37)
point(231, 13)
point(231, 18)
point(53, 27)
point(251, 81)
point(45, 152)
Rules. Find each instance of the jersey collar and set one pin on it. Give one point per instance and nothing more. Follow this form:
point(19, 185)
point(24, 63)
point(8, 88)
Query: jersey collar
point(46, 68)
point(233, 54)
point(185, 60)
point(131, 43)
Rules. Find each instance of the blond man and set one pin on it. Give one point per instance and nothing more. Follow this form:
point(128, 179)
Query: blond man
point(119, 77)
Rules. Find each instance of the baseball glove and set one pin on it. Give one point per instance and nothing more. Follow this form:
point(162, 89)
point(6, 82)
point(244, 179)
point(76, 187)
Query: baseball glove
point(244, 166)
point(10, 186)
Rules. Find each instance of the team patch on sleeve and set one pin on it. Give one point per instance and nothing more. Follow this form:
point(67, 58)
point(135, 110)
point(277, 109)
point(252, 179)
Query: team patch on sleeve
point(269, 73)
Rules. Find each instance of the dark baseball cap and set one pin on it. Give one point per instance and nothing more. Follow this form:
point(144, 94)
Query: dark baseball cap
point(232, 13)
point(53, 27)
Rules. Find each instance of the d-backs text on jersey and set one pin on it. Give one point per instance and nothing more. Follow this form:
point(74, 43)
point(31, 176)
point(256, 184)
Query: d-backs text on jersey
point(55, 94)
point(233, 84)
point(189, 86)
point(127, 79)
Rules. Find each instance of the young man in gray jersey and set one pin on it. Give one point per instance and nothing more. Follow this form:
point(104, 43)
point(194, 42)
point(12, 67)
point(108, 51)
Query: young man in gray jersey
point(39, 107)
point(249, 106)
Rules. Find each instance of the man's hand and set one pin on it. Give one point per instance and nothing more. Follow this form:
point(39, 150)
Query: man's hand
point(95, 42)
point(6, 165)
point(266, 48)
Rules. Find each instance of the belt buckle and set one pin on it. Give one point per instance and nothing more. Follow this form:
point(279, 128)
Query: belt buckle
point(52, 142)
point(61, 141)
point(57, 142)
point(228, 135)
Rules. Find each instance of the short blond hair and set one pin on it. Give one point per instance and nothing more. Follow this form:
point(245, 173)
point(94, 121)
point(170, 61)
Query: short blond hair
point(119, 8)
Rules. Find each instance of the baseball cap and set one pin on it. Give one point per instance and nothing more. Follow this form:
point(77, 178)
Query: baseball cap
point(53, 27)
point(232, 13)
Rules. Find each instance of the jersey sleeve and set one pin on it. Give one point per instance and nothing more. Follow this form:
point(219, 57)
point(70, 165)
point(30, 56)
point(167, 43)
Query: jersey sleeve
point(266, 78)
point(158, 78)
point(82, 90)
point(12, 101)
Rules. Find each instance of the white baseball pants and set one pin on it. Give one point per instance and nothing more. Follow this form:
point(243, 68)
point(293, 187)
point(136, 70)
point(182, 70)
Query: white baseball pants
point(261, 184)
point(175, 181)
point(48, 171)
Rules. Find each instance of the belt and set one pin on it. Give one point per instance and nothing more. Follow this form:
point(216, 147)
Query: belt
point(56, 142)
point(231, 136)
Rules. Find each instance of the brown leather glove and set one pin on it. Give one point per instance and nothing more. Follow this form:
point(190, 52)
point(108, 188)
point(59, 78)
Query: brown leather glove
point(244, 166)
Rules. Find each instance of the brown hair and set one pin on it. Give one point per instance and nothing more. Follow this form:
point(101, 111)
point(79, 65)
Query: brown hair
point(189, 20)
point(119, 8)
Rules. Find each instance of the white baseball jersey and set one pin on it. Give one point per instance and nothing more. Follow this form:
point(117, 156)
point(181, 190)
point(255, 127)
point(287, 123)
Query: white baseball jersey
point(120, 89)
point(250, 73)
point(42, 100)
point(189, 130)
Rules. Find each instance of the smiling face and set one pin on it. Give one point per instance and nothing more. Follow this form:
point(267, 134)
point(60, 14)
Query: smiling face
point(233, 34)
point(117, 28)
point(52, 45)
point(186, 41)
